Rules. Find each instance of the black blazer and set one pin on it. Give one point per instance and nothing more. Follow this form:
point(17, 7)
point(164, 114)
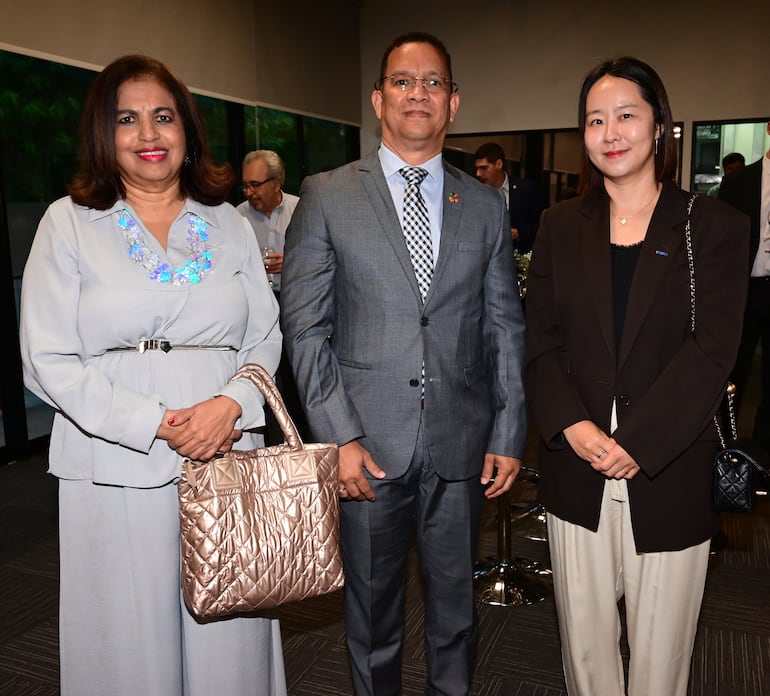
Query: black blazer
point(743, 189)
point(666, 381)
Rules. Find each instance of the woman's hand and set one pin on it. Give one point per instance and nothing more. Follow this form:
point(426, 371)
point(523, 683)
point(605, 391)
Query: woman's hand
point(601, 451)
point(202, 430)
point(588, 441)
point(617, 464)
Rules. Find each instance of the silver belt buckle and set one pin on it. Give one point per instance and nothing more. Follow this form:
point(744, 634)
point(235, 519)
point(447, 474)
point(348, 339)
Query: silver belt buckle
point(154, 344)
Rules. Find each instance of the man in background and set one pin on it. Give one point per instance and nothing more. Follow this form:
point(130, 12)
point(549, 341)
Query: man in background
point(731, 162)
point(269, 210)
point(267, 207)
point(522, 198)
point(748, 189)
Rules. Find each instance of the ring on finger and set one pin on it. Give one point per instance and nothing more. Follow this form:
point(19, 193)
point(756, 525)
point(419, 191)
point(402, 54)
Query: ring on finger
point(601, 453)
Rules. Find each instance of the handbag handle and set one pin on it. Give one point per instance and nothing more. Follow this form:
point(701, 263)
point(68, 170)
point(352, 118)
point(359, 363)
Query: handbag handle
point(264, 382)
point(730, 391)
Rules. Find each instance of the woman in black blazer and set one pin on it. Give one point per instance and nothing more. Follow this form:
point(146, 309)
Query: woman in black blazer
point(623, 393)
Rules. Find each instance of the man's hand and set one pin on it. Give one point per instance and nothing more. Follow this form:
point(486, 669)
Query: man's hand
point(354, 458)
point(504, 470)
point(274, 263)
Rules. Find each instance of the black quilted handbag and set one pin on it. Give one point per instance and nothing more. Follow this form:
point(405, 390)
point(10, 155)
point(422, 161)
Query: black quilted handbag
point(736, 466)
point(738, 463)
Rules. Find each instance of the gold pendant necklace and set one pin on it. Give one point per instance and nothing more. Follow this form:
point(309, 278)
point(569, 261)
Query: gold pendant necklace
point(624, 219)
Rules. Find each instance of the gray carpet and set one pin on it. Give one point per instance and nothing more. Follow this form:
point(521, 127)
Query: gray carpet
point(518, 650)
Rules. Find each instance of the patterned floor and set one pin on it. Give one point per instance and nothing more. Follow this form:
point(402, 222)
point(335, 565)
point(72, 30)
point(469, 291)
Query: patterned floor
point(518, 651)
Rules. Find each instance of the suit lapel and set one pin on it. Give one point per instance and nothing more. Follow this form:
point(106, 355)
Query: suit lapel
point(452, 197)
point(665, 235)
point(595, 247)
point(373, 181)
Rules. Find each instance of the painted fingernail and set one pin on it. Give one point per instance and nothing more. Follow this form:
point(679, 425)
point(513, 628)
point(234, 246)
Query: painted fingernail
point(171, 421)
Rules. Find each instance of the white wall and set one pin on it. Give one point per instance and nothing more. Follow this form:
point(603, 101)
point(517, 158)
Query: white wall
point(520, 63)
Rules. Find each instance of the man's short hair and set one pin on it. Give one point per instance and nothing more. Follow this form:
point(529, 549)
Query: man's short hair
point(733, 158)
point(416, 37)
point(491, 152)
point(274, 164)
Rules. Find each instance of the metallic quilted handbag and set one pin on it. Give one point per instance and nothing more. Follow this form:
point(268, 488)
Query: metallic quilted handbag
point(260, 528)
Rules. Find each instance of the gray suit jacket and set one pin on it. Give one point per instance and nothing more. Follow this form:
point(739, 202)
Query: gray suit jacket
point(356, 330)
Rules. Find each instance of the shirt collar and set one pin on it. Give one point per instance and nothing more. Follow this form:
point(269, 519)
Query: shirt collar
point(391, 163)
point(189, 206)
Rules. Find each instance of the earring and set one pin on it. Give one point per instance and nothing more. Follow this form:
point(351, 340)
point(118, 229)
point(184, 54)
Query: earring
point(188, 161)
point(656, 146)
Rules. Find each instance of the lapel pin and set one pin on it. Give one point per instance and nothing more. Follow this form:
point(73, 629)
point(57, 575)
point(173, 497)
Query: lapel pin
point(454, 197)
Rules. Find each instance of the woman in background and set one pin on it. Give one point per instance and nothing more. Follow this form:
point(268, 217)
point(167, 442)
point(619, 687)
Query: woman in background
point(142, 295)
point(624, 393)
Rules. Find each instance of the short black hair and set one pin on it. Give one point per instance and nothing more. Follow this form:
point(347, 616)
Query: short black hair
point(491, 152)
point(416, 37)
point(732, 158)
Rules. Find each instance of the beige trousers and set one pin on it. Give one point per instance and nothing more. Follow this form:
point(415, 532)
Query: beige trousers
point(663, 593)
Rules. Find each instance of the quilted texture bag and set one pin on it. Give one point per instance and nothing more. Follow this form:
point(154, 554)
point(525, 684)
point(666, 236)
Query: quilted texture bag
point(260, 528)
point(736, 466)
point(735, 463)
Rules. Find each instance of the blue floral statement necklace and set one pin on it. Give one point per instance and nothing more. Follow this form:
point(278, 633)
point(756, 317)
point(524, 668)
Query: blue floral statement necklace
point(197, 266)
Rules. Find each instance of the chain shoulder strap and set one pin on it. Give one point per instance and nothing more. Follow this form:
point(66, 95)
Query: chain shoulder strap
point(690, 261)
point(691, 267)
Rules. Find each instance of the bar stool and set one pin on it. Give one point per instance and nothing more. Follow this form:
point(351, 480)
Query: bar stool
point(527, 514)
point(508, 580)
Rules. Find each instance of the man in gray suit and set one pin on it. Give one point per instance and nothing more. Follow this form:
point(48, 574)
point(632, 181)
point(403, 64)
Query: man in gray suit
point(411, 362)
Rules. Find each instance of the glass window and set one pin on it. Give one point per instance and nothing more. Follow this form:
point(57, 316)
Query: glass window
point(40, 106)
point(327, 144)
point(214, 114)
point(713, 140)
point(281, 131)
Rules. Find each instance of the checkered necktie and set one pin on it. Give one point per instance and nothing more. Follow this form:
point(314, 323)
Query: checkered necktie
point(417, 227)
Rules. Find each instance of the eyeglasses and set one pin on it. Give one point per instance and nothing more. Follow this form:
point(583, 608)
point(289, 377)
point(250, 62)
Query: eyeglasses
point(434, 83)
point(247, 186)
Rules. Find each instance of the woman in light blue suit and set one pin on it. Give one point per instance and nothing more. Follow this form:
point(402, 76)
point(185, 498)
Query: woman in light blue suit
point(142, 294)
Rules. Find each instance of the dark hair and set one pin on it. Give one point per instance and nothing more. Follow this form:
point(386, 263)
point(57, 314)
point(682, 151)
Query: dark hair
point(491, 152)
point(98, 183)
point(653, 92)
point(416, 37)
point(732, 158)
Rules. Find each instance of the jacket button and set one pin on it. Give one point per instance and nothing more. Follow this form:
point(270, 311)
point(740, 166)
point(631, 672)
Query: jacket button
point(424, 321)
point(624, 400)
point(414, 382)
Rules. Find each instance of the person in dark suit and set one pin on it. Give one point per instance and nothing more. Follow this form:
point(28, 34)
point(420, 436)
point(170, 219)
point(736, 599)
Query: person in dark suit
point(748, 189)
point(523, 200)
point(731, 162)
point(409, 357)
point(624, 392)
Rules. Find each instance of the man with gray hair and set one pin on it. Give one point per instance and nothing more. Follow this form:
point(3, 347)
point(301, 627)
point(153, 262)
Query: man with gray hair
point(267, 207)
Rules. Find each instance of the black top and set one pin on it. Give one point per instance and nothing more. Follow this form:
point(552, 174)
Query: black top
point(623, 260)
